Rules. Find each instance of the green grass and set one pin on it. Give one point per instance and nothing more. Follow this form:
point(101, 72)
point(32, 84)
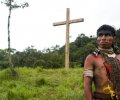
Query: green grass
point(42, 84)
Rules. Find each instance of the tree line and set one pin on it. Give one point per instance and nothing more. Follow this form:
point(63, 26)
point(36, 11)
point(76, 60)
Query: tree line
point(52, 57)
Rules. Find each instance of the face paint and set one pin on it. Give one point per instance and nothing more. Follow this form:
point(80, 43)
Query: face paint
point(105, 41)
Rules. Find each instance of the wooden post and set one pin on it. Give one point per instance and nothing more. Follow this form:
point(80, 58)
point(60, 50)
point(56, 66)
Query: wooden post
point(67, 39)
point(67, 22)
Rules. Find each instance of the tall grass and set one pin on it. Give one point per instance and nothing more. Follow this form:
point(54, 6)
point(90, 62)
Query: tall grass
point(42, 84)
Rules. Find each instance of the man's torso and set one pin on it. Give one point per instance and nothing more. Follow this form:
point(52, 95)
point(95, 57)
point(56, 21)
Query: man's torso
point(100, 74)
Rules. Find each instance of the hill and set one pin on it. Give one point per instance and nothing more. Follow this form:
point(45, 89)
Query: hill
point(41, 84)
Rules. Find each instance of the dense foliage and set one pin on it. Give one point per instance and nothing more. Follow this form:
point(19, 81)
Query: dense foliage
point(53, 57)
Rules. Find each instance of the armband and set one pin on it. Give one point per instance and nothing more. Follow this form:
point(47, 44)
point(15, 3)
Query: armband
point(88, 72)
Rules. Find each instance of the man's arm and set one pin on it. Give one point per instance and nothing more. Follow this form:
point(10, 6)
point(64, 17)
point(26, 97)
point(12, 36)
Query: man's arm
point(88, 88)
point(88, 76)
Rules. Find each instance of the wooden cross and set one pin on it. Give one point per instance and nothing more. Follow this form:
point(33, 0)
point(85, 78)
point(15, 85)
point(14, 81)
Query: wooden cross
point(67, 22)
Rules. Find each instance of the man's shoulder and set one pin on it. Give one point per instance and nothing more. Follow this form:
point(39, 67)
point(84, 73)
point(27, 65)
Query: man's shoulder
point(95, 53)
point(91, 56)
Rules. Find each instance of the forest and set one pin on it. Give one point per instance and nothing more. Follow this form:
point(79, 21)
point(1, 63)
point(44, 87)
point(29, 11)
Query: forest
point(54, 56)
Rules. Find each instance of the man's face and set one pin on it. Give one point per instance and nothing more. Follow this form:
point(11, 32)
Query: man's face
point(105, 40)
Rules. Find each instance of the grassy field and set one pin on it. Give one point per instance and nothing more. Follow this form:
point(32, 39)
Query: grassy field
point(41, 84)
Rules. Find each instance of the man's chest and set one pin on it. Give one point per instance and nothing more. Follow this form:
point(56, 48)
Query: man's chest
point(99, 68)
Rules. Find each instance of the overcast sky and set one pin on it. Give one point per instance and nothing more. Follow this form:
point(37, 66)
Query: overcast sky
point(34, 25)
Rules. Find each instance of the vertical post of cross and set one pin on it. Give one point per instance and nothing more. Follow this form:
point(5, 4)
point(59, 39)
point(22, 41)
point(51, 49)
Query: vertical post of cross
point(67, 39)
point(67, 23)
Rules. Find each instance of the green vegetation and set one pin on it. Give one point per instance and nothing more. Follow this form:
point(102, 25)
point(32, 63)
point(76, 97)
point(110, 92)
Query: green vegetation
point(53, 57)
point(41, 84)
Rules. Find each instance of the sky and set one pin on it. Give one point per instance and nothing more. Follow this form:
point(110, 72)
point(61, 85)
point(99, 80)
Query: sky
point(34, 25)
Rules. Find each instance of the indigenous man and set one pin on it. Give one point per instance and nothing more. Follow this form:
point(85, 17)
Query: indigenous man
point(103, 67)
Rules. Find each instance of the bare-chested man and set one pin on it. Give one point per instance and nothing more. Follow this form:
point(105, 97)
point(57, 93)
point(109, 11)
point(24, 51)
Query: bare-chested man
point(103, 67)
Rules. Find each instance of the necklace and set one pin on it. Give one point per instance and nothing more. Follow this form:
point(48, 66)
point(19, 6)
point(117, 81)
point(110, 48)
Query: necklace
point(107, 51)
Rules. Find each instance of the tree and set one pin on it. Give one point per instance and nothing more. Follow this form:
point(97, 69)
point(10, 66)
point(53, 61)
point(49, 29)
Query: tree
point(3, 58)
point(81, 40)
point(11, 4)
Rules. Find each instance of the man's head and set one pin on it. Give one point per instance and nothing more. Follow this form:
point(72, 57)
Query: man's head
point(106, 29)
point(106, 36)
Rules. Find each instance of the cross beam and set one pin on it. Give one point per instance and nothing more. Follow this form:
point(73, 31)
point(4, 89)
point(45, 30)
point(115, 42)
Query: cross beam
point(67, 23)
point(71, 21)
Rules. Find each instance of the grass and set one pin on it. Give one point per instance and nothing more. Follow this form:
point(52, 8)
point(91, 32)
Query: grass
point(42, 84)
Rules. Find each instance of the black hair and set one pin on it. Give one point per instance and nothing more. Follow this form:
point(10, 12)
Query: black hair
point(107, 28)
